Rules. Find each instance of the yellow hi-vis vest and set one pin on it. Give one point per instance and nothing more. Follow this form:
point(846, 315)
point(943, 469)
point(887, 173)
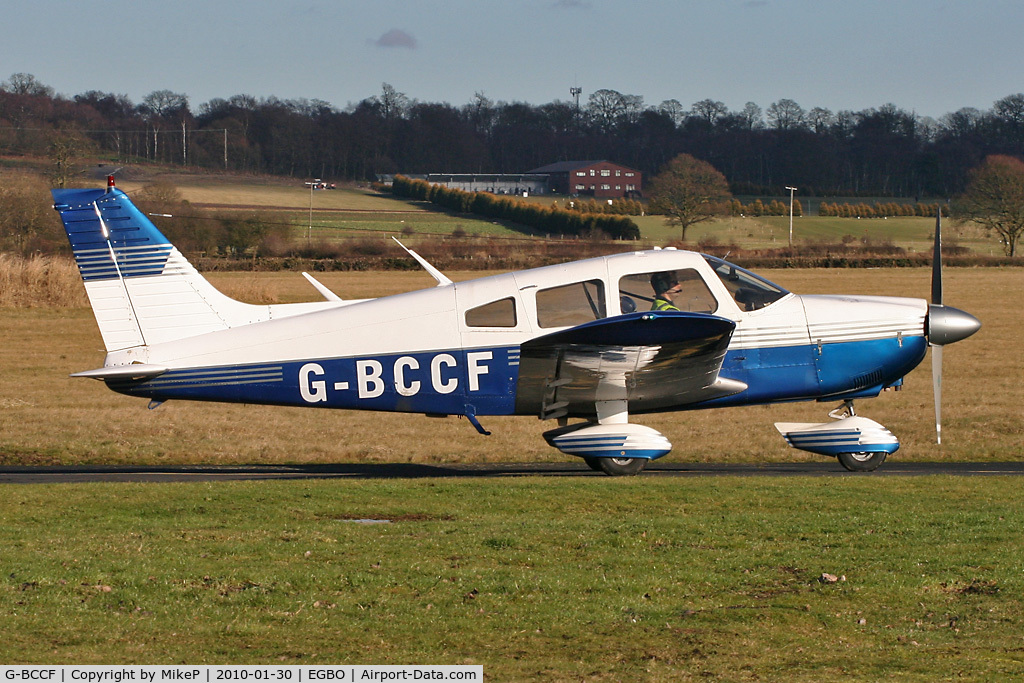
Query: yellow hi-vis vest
point(663, 305)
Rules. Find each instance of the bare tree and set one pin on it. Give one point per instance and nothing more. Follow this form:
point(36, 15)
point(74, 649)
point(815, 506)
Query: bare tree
point(994, 198)
point(786, 115)
point(393, 104)
point(820, 120)
point(25, 84)
point(709, 110)
point(674, 110)
point(66, 148)
point(687, 192)
point(962, 122)
point(1011, 109)
point(605, 107)
point(752, 116)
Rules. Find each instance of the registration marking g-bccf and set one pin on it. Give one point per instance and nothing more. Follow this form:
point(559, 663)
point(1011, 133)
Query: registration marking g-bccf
point(408, 375)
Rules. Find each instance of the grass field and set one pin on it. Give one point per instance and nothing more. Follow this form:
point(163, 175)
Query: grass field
point(535, 579)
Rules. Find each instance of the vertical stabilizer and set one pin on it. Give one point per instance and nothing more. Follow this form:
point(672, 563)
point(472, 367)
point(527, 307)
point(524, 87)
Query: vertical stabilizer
point(142, 289)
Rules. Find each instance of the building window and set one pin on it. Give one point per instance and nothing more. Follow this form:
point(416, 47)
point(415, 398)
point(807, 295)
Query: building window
point(606, 187)
point(618, 173)
point(581, 173)
point(591, 172)
point(629, 175)
point(605, 173)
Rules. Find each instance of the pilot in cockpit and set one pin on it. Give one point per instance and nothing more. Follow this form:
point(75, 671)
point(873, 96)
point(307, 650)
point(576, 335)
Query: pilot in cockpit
point(666, 287)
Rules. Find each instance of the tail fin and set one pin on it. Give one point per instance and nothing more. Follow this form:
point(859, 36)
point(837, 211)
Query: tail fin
point(142, 289)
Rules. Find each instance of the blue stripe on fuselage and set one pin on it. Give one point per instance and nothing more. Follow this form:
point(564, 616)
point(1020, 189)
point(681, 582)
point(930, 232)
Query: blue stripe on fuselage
point(454, 382)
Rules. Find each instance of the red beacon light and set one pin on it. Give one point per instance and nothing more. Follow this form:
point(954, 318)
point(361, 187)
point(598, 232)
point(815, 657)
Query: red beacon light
point(110, 182)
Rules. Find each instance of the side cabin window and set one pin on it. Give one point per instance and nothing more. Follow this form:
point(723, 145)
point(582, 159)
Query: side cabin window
point(501, 313)
point(750, 291)
point(682, 290)
point(571, 305)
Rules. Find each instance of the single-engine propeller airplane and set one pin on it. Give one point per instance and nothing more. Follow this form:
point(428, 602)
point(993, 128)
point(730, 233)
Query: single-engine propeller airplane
point(592, 341)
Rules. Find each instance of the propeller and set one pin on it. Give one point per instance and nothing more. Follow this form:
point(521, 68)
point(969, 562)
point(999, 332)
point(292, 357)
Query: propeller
point(945, 325)
point(936, 301)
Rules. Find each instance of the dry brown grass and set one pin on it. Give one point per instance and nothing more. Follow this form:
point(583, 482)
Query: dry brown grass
point(40, 282)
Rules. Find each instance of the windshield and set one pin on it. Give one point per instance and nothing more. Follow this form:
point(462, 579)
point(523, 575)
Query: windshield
point(749, 291)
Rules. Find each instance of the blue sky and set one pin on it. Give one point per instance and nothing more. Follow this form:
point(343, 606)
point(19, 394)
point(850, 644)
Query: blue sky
point(927, 56)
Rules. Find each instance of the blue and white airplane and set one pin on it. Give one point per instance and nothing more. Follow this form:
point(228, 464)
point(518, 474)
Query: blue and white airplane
point(585, 344)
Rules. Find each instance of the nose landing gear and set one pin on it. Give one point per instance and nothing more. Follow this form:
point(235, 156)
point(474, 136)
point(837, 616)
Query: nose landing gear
point(860, 444)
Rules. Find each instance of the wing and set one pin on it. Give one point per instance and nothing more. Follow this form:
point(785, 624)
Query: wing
point(654, 360)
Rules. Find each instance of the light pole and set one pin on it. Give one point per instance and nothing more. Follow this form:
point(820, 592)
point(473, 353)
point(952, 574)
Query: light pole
point(312, 186)
point(791, 191)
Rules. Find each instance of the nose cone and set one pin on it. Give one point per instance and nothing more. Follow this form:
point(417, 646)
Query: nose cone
point(947, 324)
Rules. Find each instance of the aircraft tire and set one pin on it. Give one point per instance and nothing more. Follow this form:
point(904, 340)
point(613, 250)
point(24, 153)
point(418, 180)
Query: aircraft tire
point(861, 462)
point(594, 464)
point(622, 467)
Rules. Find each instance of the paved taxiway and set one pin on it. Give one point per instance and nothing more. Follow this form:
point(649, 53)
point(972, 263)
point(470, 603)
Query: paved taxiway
point(96, 473)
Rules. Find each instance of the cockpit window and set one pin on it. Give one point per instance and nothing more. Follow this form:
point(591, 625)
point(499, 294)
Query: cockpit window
point(750, 291)
point(573, 304)
point(669, 290)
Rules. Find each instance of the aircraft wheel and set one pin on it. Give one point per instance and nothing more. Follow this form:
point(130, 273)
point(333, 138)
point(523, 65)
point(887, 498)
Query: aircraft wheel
point(593, 463)
point(861, 462)
point(622, 467)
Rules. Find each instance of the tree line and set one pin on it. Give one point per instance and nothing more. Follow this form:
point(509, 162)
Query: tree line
point(883, 151)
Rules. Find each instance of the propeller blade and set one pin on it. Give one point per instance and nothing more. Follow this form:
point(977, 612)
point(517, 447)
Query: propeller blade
point(937, 301)
point(937, 390)
point(937, 259)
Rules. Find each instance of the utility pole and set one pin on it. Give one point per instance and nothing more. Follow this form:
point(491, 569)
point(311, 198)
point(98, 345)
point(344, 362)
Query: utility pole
point(791, 191)
point(312, 186)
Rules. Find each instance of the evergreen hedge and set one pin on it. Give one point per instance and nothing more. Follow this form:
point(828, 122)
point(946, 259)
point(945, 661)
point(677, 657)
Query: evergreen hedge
point(547, 220)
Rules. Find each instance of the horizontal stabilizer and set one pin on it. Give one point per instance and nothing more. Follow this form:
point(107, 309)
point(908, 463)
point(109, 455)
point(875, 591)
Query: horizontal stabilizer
point(322, 288)
point(124, 372)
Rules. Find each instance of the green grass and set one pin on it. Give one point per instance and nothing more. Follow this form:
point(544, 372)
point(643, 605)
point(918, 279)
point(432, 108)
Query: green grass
point(565, 579)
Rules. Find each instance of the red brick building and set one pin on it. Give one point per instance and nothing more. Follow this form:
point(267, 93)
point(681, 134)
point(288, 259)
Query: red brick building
point(604, 179)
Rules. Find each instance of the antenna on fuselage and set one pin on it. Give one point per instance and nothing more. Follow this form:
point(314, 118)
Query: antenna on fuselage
point(434, 272)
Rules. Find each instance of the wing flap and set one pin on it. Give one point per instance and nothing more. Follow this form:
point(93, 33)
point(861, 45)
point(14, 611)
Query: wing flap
point(655, 360)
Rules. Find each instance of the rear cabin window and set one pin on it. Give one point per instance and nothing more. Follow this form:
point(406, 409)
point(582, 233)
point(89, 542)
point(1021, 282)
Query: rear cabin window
point(501, 313)
point(686, 289)
point(570, 305)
